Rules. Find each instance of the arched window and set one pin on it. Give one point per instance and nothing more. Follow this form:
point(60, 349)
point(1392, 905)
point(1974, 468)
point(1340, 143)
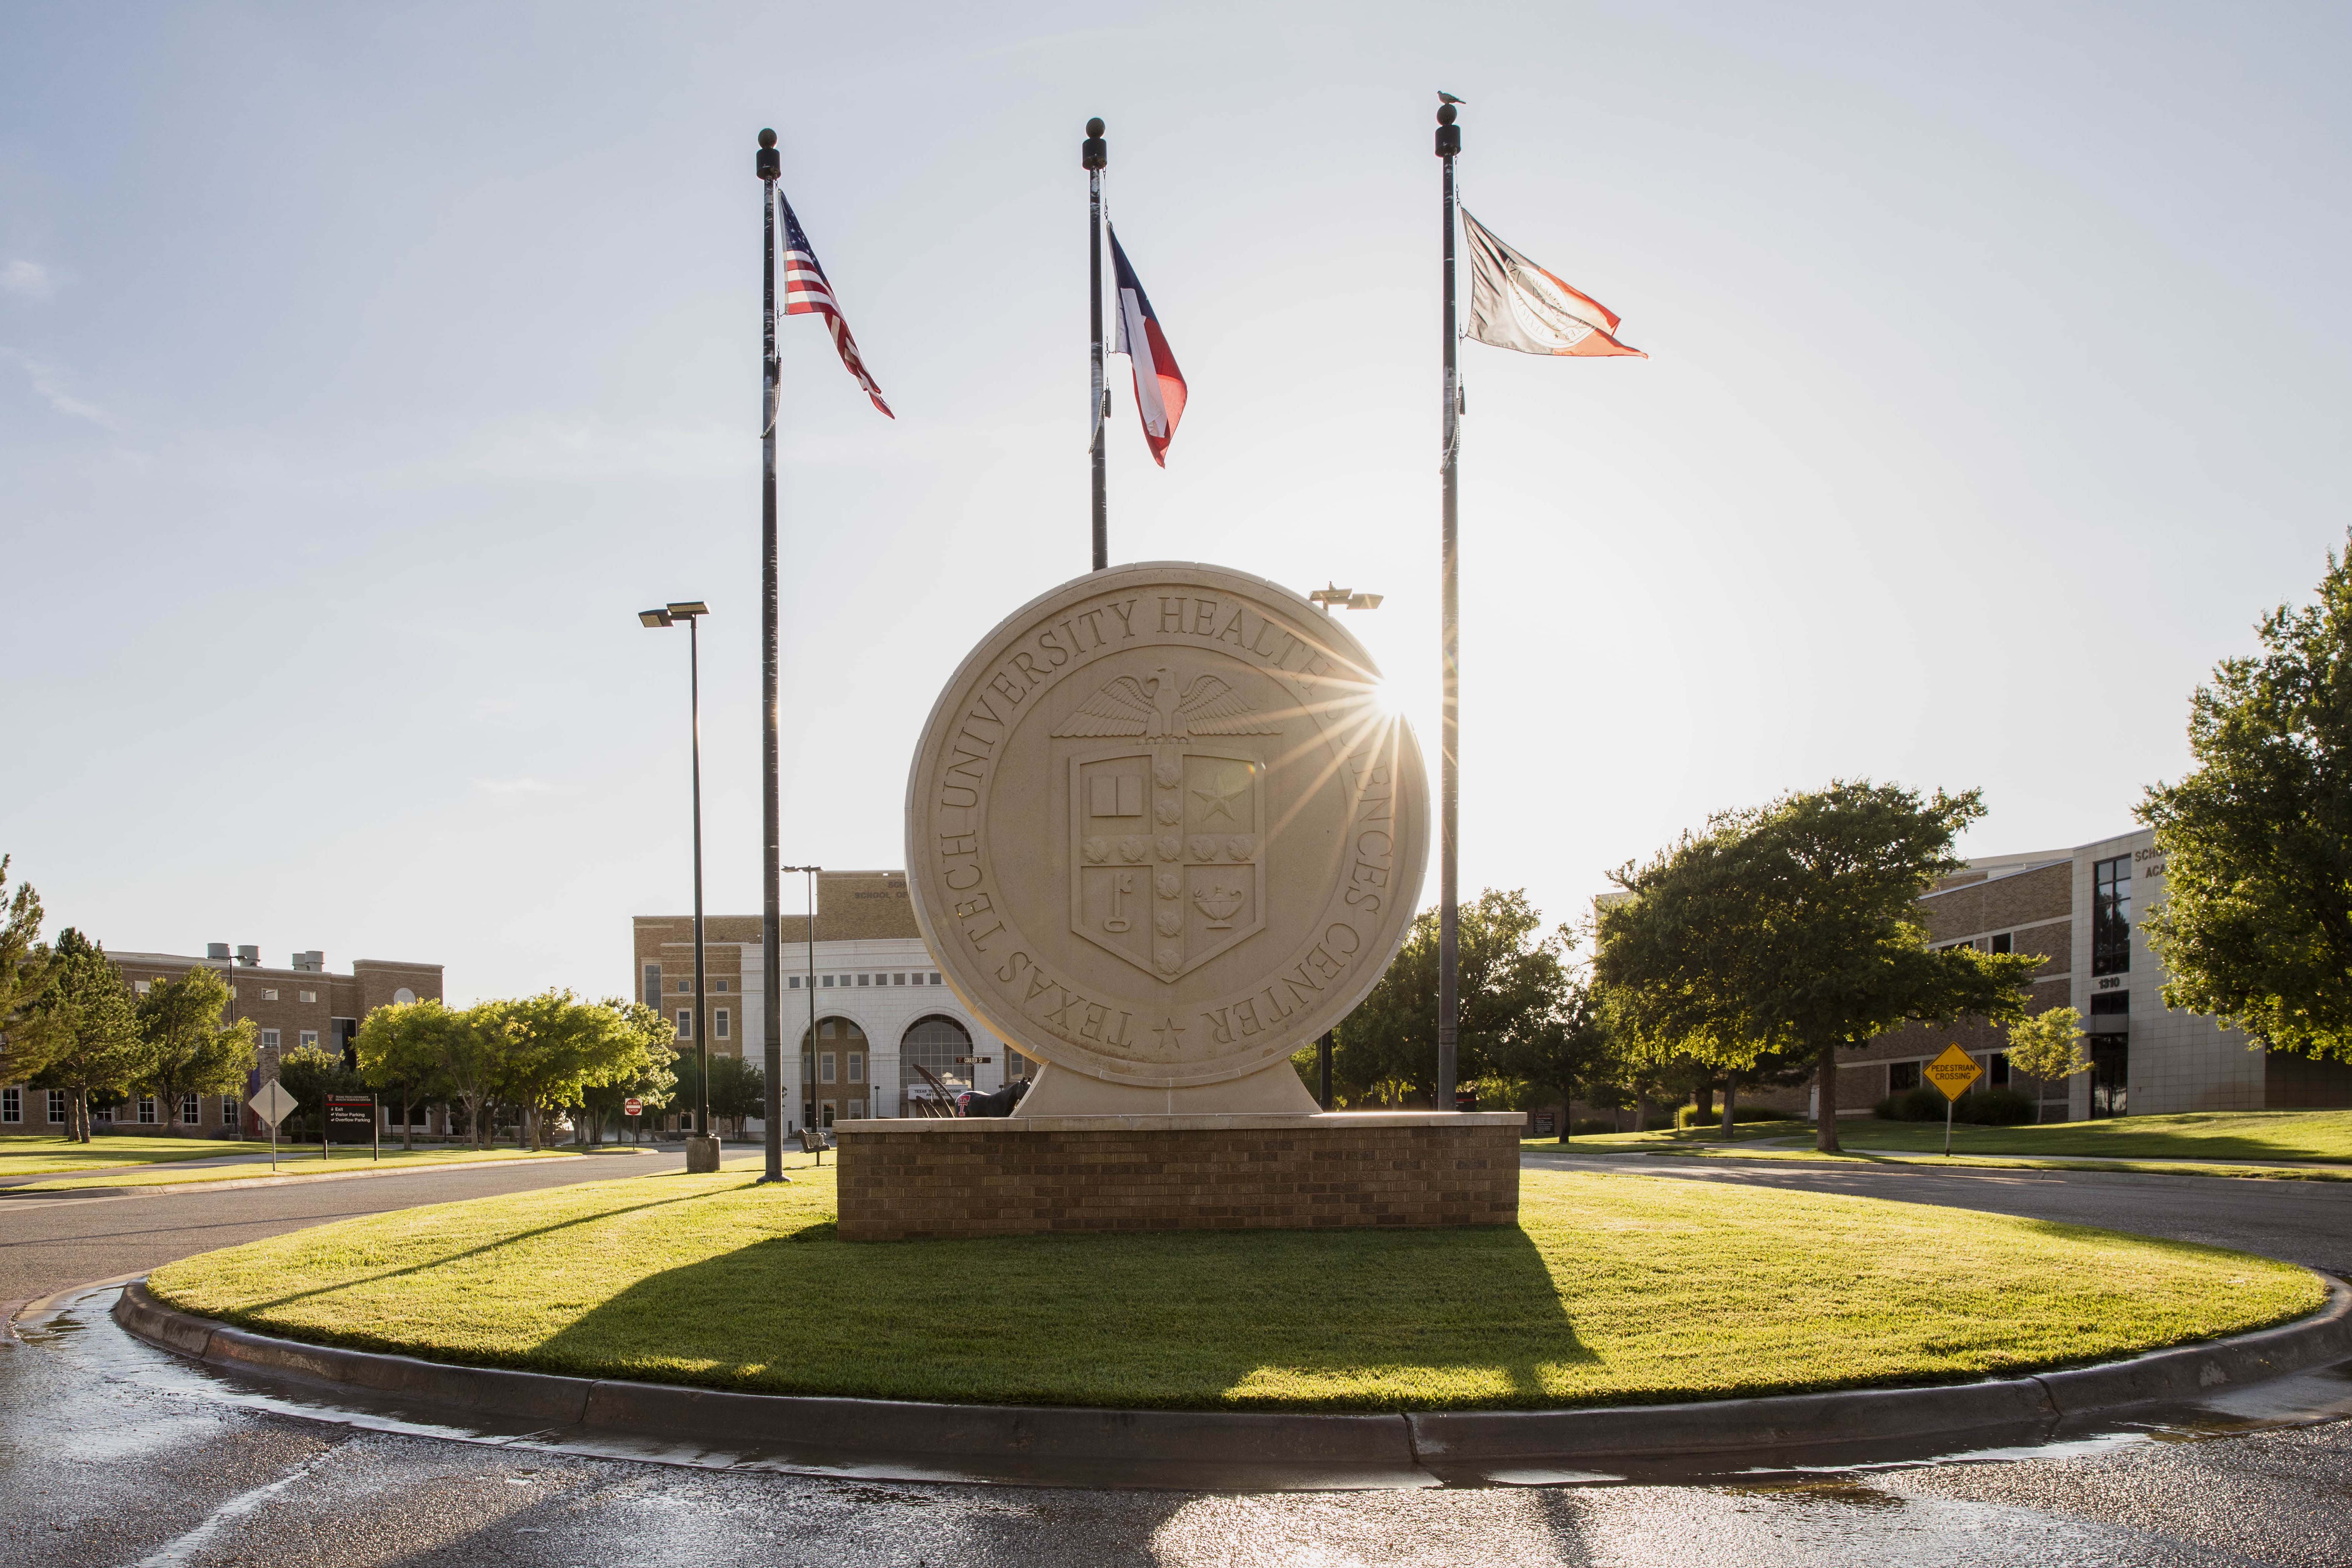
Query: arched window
point(936, 1043)
point(833, 1070)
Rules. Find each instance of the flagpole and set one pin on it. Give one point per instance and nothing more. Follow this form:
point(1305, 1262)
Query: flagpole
point(769, 166)
point(1449, 892)
point(1095, 153)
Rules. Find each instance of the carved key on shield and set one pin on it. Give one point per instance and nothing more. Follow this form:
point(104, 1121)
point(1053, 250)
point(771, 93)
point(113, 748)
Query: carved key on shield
point(1122, 885)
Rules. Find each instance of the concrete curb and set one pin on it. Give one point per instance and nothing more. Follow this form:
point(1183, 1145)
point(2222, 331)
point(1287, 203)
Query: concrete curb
point(1215, 1449)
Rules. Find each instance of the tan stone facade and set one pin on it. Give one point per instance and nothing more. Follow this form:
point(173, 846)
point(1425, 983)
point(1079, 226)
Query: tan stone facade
point(1351, 1170)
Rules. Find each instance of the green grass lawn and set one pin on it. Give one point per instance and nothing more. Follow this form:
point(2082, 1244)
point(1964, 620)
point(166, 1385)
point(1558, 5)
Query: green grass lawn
point(1613, 1289)
point(2322, 1135)
point(300, 1162)
point(22, 1155)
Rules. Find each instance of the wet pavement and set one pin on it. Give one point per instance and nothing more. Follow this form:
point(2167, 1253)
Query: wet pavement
point(113, 1452)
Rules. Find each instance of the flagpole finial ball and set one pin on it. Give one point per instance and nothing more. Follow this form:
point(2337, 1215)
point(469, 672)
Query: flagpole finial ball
point(767, 138)
point(1096, 152)
point(1094, 126)
point(1445, 115)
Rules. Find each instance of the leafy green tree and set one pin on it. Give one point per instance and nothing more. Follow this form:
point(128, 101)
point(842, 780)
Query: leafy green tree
point(2256, 923)
point(563, 1047)
point(24, 974)
point(404, 1051)
point(310, 1074)
point(1510, 978)
point(473, 1061)
point(190, 1049)
point(737, 1089)
point(84, 1021)
point(1570, 1049)
point(2048, 1047)
point(1791, 928)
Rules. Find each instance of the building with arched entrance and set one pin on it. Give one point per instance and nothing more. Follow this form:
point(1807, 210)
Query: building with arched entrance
point(864, 1006)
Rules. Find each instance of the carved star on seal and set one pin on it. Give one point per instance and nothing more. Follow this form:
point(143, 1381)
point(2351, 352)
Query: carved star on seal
point(1168, 1030)
point(1218, 799)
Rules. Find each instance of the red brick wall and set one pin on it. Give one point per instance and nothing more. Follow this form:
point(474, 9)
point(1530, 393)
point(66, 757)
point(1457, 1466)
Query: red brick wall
point(949, 1180)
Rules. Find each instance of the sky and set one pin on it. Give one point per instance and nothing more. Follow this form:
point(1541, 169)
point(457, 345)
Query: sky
point(363, 370)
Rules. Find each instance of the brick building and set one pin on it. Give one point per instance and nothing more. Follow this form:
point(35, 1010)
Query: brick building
point(302, 1004)
point(2083, 911)
point(879, 1006)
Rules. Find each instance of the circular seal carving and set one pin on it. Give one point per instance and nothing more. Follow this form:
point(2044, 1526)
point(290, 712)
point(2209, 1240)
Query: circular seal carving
point(1162, 828)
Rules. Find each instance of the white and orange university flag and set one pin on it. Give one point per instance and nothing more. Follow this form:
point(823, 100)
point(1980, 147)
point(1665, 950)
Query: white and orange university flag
point(1515, 304)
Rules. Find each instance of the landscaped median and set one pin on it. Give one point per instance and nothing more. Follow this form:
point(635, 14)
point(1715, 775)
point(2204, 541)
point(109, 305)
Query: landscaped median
point(1612, 1289)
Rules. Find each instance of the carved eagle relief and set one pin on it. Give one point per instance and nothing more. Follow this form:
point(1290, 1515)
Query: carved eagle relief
point(1151, 709)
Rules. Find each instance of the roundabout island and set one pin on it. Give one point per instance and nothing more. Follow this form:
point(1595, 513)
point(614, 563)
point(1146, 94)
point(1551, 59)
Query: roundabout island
point(1657, 1316)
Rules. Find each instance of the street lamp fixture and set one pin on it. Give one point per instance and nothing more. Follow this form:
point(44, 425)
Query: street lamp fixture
point(1331, 597)
point(701, 1148)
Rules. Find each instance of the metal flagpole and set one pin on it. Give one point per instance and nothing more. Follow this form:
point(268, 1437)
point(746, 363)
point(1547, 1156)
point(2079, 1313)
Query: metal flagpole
point(769, 166)
point(701, 984)
point(1094, 154)
point(1449, 892)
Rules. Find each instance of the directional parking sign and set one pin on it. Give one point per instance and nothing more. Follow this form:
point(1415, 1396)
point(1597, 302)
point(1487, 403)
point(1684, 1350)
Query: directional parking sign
point(273, 1104)
point(1953, 1072)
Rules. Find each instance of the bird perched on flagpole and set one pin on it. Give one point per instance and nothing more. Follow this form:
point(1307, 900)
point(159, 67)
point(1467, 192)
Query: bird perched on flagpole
point(1444, 97)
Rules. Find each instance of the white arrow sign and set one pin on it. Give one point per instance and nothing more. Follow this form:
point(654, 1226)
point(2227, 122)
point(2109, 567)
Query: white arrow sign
point(273, 1104)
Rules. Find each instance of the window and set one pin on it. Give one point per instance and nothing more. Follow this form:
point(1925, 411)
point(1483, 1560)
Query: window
point(939, 1044)
point(2111, 916)
point(828, 980)
point(857, 1067)
point(828, 1113)
point(866, 980)
point(56, 1107)
point(897, 980)
point(139, 986)
point(722, 1025)
point(935, 980)
point(1902, 1077)
point(682, 987)
point(719, 986)
point(856, 1110)
point(824, 1067)
point(12, 1105)
point(307, 996)
point(653, 985)
point(268, 1039)
point(307, 1038)
point(228, 1109)
point(147, 1111)
point(686, 1023)
point(269, 993)
point(792, 982)
point(192, 1110)
point(2000, 942)
point(1998, 1073)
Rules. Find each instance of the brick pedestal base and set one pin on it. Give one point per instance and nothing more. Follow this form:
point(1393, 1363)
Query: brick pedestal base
point(1017, 1176)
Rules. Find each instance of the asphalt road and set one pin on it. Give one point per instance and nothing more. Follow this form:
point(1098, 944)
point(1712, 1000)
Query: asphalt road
point(50, 1241)
point(113, 1453)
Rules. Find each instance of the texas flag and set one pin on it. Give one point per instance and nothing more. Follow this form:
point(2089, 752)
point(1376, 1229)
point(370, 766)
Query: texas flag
point(1158, 384)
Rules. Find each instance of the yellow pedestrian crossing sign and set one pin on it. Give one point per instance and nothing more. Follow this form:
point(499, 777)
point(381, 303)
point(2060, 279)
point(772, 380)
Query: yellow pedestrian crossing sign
point(1953, 1072)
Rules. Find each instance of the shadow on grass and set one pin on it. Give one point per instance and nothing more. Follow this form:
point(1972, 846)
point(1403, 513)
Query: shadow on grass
point(1268, 1319)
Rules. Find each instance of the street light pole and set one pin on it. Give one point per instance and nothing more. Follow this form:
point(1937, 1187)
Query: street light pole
point(1328, 595)
point(809, 873)
point(691, 612)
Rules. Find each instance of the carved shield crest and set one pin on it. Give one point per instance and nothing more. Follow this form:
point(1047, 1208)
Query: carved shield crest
point(1167, 847)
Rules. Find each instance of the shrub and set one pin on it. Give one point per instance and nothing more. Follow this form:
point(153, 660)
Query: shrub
point(1995, 1108)
point(1594, 1124)
point(1685, 1117)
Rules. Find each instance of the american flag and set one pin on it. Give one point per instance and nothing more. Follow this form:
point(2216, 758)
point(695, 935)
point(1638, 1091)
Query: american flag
point(807, 292)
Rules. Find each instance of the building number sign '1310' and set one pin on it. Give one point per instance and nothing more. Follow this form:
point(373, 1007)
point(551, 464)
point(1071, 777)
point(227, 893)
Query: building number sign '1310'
point(1161, 826)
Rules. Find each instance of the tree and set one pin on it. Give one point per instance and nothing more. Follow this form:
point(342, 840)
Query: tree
point(1791, 928)
point(84, 1021)
point(190, 1050)
point(563, 1047)
point(1571, 1048)
point(1510, 977)
point(310, 1075)
point(2256, 923)
point(2048, 1047)
point(659, 1085)
point(23, 974)
point(737, 1089)
point(474, 1058)
point(403, 1050)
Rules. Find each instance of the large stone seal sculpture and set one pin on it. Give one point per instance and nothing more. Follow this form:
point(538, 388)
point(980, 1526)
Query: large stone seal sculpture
point(1161, 831)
